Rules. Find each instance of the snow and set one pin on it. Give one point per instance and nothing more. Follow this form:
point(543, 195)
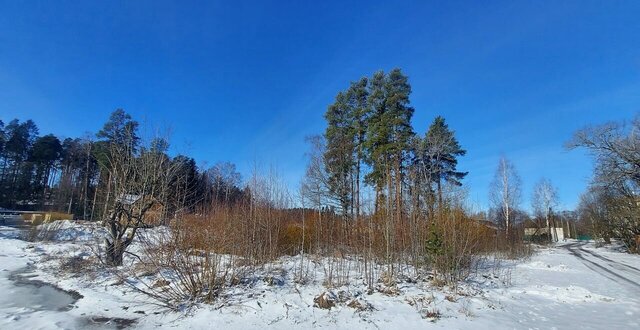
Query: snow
point(69, 230)
point(570, 285)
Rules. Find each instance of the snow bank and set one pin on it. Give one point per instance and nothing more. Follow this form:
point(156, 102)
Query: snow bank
point(73, 230)
point(539, 265)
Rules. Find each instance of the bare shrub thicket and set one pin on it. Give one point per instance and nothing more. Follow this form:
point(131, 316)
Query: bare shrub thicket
point(203, 252)
point(200, 254)
point(186, 265)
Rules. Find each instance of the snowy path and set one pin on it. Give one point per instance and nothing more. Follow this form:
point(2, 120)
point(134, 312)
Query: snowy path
point(616, 271)
point(572, 285)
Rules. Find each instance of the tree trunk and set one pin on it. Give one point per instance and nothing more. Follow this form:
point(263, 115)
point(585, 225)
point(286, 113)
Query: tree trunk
point(555, 231)
point(357, 192)
point(398, 193)
point(95, 195)
point(389, 216)
point(549, 227)
point(114, 252)
point(106, 202)
point(86, 184)
point(70, 202)
point(507, 219)
point(439, 194)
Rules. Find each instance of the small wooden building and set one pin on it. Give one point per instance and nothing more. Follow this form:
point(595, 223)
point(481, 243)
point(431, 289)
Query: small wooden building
point(536, 232)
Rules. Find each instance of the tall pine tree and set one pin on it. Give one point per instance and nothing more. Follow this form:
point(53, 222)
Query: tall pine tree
point(441, 152)
point(340, 148)
point(45, 155)
point(120, 129)
point(389, 134)
point(358, 95)
point(345, 135)
point(16, 183)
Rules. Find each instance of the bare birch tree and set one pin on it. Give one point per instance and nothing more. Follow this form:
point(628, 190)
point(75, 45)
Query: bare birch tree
point(505, 192)
point(543, 201)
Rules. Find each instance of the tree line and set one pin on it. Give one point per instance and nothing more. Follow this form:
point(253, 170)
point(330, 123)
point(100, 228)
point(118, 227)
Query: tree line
point(72, 174)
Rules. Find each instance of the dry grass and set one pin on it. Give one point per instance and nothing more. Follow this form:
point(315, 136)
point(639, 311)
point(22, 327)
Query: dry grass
point(41, 233)
point(207, 252)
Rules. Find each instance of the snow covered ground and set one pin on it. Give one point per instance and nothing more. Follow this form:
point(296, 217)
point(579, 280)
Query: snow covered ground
point(571, 285)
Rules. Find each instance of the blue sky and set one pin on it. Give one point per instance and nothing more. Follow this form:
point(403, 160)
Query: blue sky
point(247, 81)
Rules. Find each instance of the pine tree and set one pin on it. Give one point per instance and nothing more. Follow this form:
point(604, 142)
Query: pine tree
point(46, 152)
point(389, 134)
point(345, 135)
point(388, 138)
point(21, 137)
point(358, 98)
point(16, 184)
point(340, 147)
point(120, 129)
point(72, 163)
point(376, 134)
point(119, 132)
point(183, 184)
point(441, 149)
point(399, 121)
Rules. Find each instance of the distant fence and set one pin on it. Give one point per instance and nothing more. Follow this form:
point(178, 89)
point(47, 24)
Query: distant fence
point(584, 237)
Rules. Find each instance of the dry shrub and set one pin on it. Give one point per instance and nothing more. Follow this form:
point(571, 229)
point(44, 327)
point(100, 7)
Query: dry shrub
point(78, 264)
point(201, 254)
point(42, 233)
point(513, 246)
point(336, 271)
point(325, 300)
point(256, 233)
point(432, 314)
point(291, 239)
point(190, 270)
point(452, 245)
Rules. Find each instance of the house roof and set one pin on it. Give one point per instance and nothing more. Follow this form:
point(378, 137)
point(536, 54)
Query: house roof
point(128, 199)
point(530, 224)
